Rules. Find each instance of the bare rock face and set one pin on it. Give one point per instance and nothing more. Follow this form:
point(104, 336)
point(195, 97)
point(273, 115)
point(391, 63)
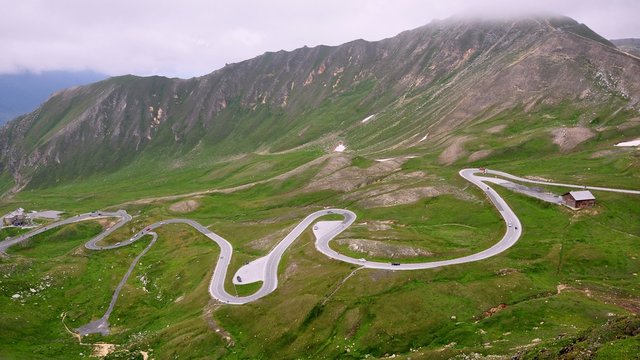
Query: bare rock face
point(569, 138)
point(185, 206)
point(454, 151)
point(383, 249)
point(336, 175)
point(435, 79)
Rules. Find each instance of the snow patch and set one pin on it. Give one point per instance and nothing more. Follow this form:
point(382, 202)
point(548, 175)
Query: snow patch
point(629, 143)
point(367, 118)
point(340, 148)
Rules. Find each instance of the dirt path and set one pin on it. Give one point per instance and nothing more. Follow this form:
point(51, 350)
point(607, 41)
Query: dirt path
point(75, 335)
point(339, 285)
point(282, 176)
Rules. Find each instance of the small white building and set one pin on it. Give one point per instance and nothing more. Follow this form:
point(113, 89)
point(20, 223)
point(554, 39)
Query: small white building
point(16, 217)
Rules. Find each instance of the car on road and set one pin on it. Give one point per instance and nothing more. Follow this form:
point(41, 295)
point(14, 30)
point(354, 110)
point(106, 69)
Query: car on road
point(118, 243)
point(362, 260)
point(510, 224)
point(516, 228)
point(395, 263)
point(239, 278)
point(315, 227)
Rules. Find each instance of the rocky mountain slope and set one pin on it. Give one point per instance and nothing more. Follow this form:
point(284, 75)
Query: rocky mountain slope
point(631, 46)
point(432, 81)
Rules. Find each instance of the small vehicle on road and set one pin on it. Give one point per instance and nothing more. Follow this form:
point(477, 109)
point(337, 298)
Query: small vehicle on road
point(315, 227)
point(362, 260)
point(239, 278)
point(395, 263)
point(510, 225)
point(118, 243)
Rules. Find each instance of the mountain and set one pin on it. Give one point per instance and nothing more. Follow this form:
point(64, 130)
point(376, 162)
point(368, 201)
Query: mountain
point(631, 46)
point(437, 79)
point(249, 151)
point(22, 93)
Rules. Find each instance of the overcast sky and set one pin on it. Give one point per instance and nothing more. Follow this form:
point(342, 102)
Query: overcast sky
point(187, 38)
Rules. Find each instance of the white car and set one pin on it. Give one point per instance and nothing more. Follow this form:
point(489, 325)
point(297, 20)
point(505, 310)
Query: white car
point(510, 225)
point(362, 260)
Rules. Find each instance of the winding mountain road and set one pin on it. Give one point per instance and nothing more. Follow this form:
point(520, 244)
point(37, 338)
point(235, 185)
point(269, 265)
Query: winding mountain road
point(509, 238)
point(265, 269)
point(517, 178)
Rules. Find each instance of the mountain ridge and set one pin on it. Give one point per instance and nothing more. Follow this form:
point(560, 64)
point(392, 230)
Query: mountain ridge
point(434, 79)
point(629, 45)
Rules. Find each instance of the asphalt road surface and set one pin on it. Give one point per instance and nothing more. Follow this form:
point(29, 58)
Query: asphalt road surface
point(124, 218)
point(328, 232)
point(102, 325)
point(511, 235)
point(513, 177)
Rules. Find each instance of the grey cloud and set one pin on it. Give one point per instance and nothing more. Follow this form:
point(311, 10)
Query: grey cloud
point(192, 37)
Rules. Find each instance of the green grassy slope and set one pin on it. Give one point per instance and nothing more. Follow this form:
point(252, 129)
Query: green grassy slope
point(165, 306)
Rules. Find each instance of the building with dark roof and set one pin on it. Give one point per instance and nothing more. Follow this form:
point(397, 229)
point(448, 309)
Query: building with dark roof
point(579, 199)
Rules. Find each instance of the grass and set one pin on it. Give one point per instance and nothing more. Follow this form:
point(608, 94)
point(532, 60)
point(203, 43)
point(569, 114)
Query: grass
point(11, 231)
point(165, 305)
point(248, 289)
point(144, 179)
point(616, 339)
point(444, 225)
point(56, 242)
point(77, 283)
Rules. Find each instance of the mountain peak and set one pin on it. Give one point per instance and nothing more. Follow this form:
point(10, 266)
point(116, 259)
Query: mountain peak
point(542, 21)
